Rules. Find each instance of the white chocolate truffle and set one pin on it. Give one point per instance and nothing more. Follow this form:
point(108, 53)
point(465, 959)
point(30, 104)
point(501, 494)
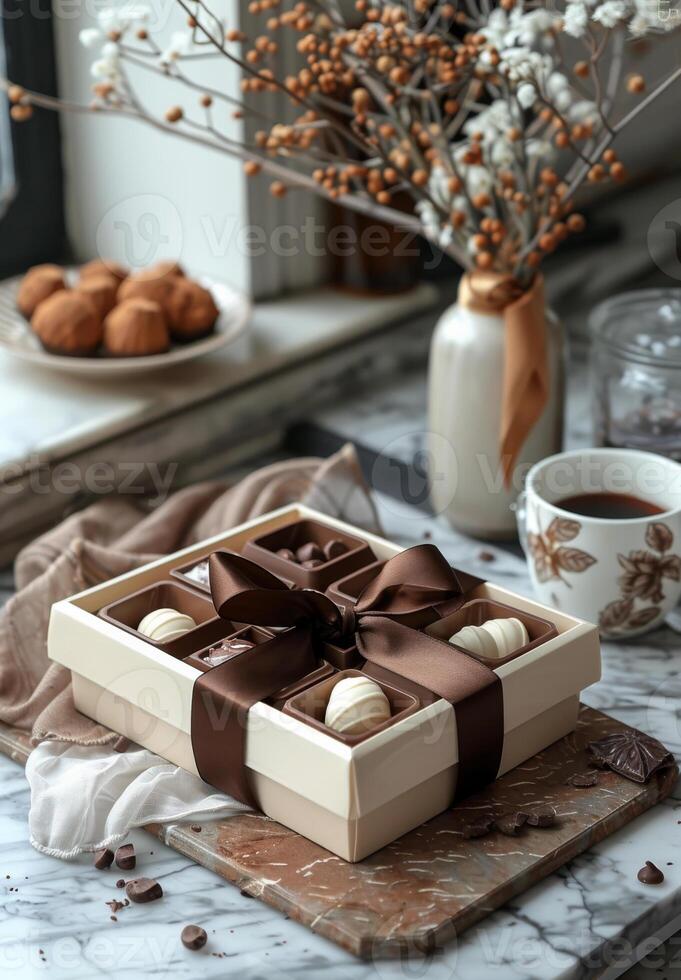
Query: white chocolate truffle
point(356, 705)
point(164, 625)
point(494, 640)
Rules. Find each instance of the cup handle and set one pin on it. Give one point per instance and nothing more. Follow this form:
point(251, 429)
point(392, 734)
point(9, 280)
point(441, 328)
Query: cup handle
point(520, 508)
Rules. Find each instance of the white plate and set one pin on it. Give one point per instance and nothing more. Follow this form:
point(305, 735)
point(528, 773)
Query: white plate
point(17, 338)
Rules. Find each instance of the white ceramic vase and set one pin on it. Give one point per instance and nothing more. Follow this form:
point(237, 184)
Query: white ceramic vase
point(465, 398)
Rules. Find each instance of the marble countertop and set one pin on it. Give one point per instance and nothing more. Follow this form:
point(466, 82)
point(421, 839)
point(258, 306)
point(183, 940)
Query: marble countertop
point(592, 918)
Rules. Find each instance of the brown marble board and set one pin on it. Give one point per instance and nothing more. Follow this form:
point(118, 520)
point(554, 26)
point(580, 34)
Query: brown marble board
point(419, 892)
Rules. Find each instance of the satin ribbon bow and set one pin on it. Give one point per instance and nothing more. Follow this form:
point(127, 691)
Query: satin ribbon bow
point(411, 582)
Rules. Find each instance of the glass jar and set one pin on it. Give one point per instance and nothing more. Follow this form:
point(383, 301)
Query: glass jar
point(636, 371)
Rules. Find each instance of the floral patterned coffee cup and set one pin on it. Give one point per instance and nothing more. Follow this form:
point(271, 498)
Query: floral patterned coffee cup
point(623, 574)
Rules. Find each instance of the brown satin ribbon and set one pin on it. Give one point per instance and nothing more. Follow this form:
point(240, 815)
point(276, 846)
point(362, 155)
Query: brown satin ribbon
point(526, 373)
point(412, 581)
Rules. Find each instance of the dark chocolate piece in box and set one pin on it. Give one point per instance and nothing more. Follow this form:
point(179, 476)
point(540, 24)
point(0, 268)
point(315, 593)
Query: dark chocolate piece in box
point(293, 537)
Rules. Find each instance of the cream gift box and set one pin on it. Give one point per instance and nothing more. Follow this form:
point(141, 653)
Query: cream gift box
point(350, 798)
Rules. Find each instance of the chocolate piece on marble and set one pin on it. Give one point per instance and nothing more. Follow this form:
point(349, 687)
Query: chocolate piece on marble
point(120, 883)
point(632, 754)
point(309, 552)
point(194, 937)
point(125, 857)
point(311, 563)
point(103, 859)
point(541, 816)
point(334, 549)
point(486, 556)
point(287, 554)
point(143, 890)
point(511, 823)
point(650, 874)
point(115, 905)
point(583, 780)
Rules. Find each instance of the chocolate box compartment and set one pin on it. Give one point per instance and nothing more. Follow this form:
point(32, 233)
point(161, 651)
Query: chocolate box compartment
point(479, 611)
point(324, 670)
point(254, 634)
point(263, 550)
point(199, 582)
point(128, 613)
point(346, 591)
point(310, 706)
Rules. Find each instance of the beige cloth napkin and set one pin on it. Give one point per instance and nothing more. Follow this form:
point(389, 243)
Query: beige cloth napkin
point(113, 536)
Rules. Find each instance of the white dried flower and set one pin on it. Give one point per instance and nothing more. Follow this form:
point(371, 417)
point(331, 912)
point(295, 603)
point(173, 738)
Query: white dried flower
point(90, 36)
point(122, 17)
point(527, 95)
point(610, 13)
point(576, 18)
point(478, 180)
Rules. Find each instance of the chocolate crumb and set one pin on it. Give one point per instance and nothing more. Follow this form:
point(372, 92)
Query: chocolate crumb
point(427, 535)
point(650, 874)
point(122, 744)
point(143, 890)
point(511, 823)
point(125, 857)
point(104, 859)
point(543, 816)
point(486, 556)
point(583, 780)
point(120, 883)
point(113, 918)
point(246, 894)
point(480, 827)
point(115, 905)
point(196, 827)
point(194, 937)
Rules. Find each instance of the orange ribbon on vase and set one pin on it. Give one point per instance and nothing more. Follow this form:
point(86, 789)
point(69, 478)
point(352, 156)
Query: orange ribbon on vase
point(413, 581)
point(525, 389)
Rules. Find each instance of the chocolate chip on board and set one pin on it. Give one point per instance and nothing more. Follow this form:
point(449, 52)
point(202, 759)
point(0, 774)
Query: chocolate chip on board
point(583, 780)
point(511, 823)
point(543, 816)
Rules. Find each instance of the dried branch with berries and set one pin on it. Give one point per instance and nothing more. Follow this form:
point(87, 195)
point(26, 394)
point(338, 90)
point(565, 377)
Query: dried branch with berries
point(489, 121)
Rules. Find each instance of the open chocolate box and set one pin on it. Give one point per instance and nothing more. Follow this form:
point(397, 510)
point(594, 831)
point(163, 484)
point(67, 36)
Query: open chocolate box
point(352, 795)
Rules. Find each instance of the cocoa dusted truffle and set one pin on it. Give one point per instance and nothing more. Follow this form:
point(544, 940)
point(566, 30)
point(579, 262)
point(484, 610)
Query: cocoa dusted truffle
point(167, 268)
point(102, 290)
point(147, 284)
point(39, 282)
point(191, 310)
point(135, 328)
point(103, 267)
point(68, 323)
